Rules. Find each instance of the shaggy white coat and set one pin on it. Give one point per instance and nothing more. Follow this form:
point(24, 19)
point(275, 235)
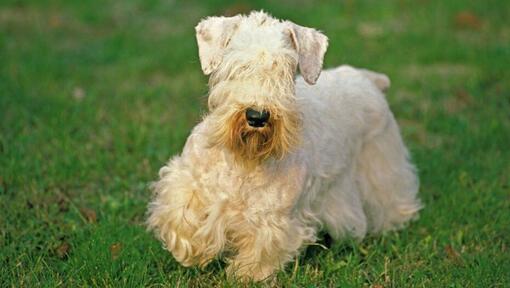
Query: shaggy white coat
point(350, 173)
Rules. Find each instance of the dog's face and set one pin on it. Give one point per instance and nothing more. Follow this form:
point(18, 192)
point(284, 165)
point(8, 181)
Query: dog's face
point(252, 61)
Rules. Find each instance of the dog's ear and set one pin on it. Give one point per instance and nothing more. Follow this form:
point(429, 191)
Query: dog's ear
point(213, 35)
point(311, 46)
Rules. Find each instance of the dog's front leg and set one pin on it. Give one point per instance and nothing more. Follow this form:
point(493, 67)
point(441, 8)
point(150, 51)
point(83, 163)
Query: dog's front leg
point(264, 246)
point(178, 212)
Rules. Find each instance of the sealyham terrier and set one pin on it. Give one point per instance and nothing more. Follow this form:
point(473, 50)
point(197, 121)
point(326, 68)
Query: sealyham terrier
point(280, 157)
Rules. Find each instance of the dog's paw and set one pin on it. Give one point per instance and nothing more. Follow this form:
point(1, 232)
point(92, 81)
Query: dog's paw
point(246, 271)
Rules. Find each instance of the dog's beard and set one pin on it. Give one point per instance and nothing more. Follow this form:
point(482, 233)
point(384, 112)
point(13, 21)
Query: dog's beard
point(251, 146)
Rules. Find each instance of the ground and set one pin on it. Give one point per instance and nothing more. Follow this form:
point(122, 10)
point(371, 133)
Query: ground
point(96, 95)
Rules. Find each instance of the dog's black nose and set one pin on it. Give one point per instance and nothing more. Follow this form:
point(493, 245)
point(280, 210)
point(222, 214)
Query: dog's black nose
point(256, 118)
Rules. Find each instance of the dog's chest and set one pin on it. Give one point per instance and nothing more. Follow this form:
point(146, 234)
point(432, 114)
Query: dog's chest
point(251, 193)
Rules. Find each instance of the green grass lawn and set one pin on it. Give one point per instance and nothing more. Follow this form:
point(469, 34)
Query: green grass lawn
point(96, 95)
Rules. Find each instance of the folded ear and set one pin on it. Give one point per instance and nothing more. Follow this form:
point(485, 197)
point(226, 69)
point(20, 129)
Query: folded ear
point(311, 46)
point(213, 35)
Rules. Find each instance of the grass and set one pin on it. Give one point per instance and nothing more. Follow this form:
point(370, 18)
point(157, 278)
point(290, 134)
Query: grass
point(96, 95)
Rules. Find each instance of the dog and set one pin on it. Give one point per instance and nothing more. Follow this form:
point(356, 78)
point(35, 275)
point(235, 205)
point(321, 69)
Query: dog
point(280, 157)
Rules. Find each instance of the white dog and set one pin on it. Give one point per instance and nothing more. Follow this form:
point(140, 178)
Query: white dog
point(276, 159)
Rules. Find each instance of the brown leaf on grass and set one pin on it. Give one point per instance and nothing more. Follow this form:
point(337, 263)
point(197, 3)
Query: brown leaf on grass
point(239, 8)
point(463, 96)
point(377, 286)
point(115, 250)
point(55, 21)
point(467, 20)
point(452, 254)
point(63, 205)
point(62, 251)
point(461, 100)
point(89, 215)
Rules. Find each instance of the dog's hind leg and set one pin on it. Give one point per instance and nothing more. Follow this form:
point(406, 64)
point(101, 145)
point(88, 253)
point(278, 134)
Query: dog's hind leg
point(341, 209)
point(386, 177)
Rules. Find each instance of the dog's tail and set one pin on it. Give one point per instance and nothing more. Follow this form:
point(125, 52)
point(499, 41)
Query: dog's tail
point(380, 80)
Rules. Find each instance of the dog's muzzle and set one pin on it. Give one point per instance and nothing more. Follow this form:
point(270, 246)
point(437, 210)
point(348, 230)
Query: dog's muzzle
point(256, 118)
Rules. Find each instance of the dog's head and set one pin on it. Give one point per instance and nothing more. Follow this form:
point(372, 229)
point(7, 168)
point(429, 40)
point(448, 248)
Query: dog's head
point(252, 61)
